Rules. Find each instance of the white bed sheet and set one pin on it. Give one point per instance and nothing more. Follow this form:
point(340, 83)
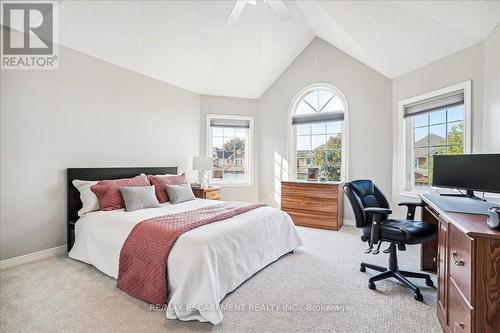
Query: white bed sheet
point(205, 264)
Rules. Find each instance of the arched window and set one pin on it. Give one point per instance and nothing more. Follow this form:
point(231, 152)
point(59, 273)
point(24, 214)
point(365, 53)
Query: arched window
point(318, 134)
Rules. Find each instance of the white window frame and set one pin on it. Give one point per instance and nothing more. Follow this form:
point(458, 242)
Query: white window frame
point(466, 87)
point(248, 148)
point(292, 131)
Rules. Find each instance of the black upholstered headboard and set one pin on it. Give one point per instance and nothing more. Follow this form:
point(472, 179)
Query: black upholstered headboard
point(74, 203)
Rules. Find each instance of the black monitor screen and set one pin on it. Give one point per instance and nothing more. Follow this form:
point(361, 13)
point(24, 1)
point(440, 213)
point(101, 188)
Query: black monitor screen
point(478, 172)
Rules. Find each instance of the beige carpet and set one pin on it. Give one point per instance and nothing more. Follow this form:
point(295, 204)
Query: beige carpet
point(320, 286)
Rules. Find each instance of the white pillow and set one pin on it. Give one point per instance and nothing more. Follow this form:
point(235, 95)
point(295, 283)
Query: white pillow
point(88, 198)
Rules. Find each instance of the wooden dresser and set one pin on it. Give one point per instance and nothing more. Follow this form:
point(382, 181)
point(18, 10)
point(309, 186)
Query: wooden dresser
point(468, 271)
point(313, 204)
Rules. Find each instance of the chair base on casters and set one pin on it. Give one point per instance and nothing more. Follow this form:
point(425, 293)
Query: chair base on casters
point(394, 272)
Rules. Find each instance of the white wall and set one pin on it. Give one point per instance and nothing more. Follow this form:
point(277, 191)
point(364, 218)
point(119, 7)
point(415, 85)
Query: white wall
point(491, 101)
point(480, 64)
point(239, 107)
point(370, 132)
point(88, 113)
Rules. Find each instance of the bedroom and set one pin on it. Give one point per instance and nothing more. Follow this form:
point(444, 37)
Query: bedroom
point(167, 84)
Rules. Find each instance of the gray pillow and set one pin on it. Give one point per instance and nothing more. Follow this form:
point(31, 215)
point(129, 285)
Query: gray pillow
point(179, 193)
point(139, 197)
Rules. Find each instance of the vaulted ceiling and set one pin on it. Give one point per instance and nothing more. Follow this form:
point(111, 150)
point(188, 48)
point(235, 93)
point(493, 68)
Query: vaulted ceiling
point(189, 44)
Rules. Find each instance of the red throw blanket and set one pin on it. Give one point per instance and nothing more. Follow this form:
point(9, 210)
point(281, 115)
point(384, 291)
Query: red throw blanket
point(143, 257)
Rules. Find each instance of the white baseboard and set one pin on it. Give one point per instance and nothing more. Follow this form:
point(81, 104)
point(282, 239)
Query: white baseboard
point(7, 263)
point(349, 222)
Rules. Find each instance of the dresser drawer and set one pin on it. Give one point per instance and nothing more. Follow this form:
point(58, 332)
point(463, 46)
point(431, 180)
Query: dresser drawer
point(314, 219)
point(460, 261)
point(460, 313)
point(311, 204)
point(307, 190)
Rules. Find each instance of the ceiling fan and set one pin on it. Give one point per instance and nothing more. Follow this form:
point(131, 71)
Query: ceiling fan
point(278, 6)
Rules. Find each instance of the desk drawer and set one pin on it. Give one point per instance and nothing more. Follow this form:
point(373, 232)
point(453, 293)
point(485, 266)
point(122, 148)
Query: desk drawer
point(460, 261)
point(459, 313)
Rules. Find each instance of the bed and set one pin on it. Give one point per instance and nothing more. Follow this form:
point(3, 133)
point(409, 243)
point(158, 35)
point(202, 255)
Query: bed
point(204, 265)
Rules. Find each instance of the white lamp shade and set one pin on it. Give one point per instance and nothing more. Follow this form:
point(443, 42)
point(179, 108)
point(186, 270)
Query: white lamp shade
point(203, 163)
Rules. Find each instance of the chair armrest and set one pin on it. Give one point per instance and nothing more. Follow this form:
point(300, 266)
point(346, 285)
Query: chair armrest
point(377, 214)
point(378, 210)
point(408, 204)
point(412, 206)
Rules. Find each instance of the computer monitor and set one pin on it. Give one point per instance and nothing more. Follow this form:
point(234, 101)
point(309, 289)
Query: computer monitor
point(474, 172)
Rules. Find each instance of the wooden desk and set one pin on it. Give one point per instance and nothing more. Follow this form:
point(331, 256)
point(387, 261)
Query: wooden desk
point(468, 270)
point(313, 204)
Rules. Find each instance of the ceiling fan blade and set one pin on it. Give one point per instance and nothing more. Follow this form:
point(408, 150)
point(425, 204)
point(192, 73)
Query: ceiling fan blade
point(236, 11)
point(280, 9)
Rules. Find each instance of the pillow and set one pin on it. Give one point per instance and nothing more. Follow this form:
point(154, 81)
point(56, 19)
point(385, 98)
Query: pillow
point(139, 197)
point(179, 193)
point(160, 182)
point(88, 198)
point(108, 191)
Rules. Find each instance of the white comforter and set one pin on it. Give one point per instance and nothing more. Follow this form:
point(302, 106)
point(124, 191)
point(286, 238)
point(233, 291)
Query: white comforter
point(205, 263)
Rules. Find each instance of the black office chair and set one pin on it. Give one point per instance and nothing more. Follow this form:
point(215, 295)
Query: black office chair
point(371, 211)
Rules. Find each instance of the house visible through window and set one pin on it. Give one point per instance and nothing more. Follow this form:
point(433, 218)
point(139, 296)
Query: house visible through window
point(318, 122)
point(433, 127)
point(229, 140)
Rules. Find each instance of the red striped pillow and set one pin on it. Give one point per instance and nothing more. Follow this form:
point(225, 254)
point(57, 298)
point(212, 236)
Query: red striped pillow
point(160, 181)
point(108, 191)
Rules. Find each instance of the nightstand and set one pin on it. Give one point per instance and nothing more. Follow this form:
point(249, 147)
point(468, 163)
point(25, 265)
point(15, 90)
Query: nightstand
point(212, 193)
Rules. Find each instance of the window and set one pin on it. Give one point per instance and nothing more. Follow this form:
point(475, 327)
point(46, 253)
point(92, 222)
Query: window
point(229, 140)
point(436, 123)
point(318, 133)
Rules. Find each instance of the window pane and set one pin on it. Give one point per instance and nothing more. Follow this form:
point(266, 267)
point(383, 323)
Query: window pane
point(303, 162)
point(437, 135)
point(456, 113)
point(334, 105)
point(228, 143)
point(324, 97)
point(228, 131)
point(217, 131)
point(303, 108)
point(318, 141)
point(421, 136)
point(455, 150)
point(312, 100)
point(229, 152)
point(303, 142)
point(333, 163)
point(433, 151)
point(334, 127)
point(304, 129)
point(420, 166)
point(456, 133)
point(240, 132)
point(318, 128)
point(217, 142)
point(437, 117)
point(334, 142)
point(421, 120)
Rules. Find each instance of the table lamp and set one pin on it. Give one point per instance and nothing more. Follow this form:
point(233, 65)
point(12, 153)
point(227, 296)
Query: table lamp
point(203, 164)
